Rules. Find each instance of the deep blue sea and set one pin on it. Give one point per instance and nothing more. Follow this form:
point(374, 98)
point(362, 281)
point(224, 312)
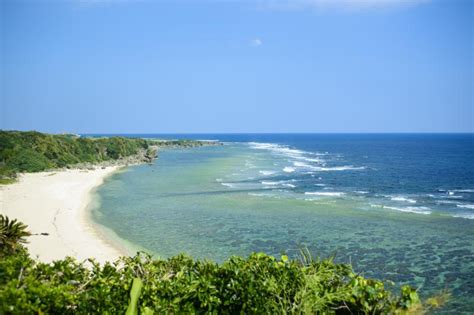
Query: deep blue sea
point(397, 206)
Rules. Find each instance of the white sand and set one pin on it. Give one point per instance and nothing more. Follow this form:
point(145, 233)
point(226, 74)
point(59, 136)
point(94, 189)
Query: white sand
point(56, 203)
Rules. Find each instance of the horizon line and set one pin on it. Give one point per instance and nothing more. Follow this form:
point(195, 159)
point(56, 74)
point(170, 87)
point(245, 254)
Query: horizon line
point(243, 133)
point(270, 133)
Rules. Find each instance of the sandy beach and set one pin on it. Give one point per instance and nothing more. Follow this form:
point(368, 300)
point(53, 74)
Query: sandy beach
point(56, 203)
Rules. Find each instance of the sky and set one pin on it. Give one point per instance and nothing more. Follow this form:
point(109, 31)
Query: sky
point(250, 66)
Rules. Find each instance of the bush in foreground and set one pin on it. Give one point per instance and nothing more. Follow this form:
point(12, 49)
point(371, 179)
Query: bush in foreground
point(259, 284)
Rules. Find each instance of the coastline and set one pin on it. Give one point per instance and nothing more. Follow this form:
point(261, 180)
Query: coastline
point(57, 203)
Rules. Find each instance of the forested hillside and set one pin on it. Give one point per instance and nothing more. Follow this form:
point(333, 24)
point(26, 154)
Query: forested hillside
point(34, 151)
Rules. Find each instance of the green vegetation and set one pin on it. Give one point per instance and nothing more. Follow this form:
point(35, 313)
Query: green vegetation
point(7, 180)
point(33, 151)
point(12, 234)
point(141, 285)
point(259, 284)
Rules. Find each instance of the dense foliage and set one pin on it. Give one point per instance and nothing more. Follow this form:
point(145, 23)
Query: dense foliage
point(31, 151)
point(259, 284)
point(12, 234)
point(256, 285)
point(34, 151)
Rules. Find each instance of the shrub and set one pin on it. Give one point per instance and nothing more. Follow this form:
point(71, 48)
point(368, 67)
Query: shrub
point(258, 284)
point(254, 285)
point(28, 160)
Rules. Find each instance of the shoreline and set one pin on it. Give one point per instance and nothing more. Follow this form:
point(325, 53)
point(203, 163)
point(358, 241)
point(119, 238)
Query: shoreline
point(58, 203)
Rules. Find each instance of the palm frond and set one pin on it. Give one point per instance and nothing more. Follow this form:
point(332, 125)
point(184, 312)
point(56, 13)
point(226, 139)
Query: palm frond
point(12, 233)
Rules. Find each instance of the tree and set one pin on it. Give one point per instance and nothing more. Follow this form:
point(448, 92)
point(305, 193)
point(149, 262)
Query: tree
point(12, 234)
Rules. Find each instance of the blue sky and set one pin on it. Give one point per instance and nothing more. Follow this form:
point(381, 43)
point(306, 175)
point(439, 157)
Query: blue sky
point(124, 66)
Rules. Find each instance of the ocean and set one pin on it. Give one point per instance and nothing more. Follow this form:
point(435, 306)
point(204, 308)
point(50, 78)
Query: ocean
point(398, 207)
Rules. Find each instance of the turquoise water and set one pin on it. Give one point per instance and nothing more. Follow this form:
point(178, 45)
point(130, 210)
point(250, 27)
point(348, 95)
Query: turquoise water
point(364, 203)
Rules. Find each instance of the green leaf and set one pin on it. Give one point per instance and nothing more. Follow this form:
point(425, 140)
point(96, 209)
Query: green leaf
point(134, 296)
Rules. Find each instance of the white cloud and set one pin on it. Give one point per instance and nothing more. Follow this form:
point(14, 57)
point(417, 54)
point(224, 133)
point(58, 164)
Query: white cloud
point(256, 42)
point(338, 4)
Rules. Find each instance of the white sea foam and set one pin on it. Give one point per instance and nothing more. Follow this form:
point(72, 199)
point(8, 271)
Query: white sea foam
point(288, 169)
point(283, 183)
point(258, 195)
point(464, 190)
point(446, 202)
point(334, 168)
point(399, 198)
point(325, 193)
point(228, 185)
point(419, 210)
point(249, 164)
point(327, 169)
point(451, 194)
point(284, 150)
point(261, 145)
point(267, 173)
point(464, 215)
point(300, 156)
point(361, 192)
point(466, 206)
point(307, 159)
point(276, 148)
point(218, 180)
point(301, 164)
point(341, 168)
point(266, 182)
point(320, 185)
